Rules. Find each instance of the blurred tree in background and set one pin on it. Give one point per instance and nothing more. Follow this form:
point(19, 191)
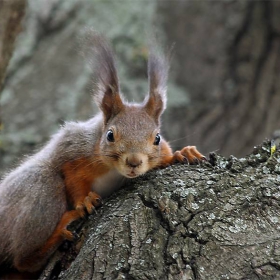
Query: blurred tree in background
point(224, 90)
point(228, 56)
point(11, 14)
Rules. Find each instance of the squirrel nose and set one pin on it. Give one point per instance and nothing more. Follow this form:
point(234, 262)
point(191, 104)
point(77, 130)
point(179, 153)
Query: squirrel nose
point(133, 161)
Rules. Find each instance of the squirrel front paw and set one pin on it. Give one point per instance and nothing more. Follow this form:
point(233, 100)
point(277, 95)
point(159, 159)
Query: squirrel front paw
point(69, 235)
point(89, 203)
point(189, 154)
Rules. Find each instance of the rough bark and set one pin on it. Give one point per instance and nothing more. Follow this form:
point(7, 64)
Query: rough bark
point(218, 221)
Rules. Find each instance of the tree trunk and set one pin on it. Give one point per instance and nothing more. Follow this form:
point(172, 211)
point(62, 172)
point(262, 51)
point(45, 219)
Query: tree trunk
point(214, 221)
point(228, 57)
point(11, 14)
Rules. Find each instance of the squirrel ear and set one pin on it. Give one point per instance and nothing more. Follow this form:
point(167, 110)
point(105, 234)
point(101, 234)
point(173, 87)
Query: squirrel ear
point(157, 73)
point(106, 84)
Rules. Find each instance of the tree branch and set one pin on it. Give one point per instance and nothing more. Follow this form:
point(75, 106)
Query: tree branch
point(186, 222)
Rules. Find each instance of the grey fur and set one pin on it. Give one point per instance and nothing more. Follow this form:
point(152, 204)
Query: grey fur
point(157, 72)
point(33, 198)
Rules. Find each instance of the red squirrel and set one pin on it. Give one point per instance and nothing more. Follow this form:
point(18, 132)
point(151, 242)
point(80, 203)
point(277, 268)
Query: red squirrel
point(83, 162)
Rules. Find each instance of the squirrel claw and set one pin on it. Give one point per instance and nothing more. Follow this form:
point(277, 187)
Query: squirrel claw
point(99, 201)
point(68, 235)
point(195, 160)
point(91, 209)
point(94, 198)
point(90, 202)
point(76, 236)
point(192, 154)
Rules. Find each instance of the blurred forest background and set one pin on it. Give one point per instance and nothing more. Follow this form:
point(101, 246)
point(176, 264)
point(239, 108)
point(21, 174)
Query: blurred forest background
point(224, 86)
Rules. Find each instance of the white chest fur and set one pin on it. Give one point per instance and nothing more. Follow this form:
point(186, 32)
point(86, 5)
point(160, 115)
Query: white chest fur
point(108, 183)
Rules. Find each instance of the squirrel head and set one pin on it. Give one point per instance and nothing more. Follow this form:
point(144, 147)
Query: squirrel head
point(130, 142)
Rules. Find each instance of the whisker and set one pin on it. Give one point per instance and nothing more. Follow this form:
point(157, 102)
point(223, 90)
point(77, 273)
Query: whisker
point(182, 138)
point(96, 159)
point(80, 164)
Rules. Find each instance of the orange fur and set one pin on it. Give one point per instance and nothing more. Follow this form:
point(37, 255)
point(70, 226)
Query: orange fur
point(188, 154)
point(79, 177)
point(58, 236)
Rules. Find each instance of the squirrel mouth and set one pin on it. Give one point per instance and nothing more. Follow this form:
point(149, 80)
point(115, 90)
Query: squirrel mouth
point(131, 174)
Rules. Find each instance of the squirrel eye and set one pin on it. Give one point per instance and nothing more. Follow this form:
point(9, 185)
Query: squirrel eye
point(157, 139)
point(110, 135)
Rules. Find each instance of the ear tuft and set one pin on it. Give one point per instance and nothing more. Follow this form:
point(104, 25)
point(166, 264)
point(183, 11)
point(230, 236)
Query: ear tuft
point(106, 90)
point(158, 67)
